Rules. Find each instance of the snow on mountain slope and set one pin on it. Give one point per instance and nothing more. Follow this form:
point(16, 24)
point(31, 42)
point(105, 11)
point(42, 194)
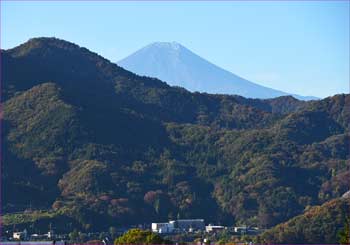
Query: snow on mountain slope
point(178, 66)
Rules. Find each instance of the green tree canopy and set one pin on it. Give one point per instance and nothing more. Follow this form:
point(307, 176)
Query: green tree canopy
point(137, 236)
point(344, 234)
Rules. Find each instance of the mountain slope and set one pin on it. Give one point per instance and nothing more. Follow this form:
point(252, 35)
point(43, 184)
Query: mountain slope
point(175, 64)
point(95, 78)
point(319, 224)
point(99, 146)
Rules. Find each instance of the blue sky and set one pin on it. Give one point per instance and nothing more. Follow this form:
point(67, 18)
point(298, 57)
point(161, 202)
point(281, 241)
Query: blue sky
point(295, 46)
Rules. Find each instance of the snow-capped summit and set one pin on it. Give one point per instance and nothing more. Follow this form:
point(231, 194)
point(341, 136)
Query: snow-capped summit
point(172, 45)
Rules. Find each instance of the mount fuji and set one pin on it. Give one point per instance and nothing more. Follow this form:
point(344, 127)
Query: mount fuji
point(178, 66)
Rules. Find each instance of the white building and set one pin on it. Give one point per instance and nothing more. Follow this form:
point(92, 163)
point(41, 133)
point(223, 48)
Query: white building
point(21, 235)
point(163, 227)
point(241, 229)
point(213, 228)
point(50, 234)
point(189, 224)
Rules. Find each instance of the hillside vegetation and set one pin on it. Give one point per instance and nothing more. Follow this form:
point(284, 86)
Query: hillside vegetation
point(101, 146)
point(319, 224)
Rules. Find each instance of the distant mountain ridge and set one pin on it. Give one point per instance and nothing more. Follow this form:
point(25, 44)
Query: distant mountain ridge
point(178, 66)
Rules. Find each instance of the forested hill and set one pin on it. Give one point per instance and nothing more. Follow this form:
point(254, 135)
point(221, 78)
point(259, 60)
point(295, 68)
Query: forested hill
point(101, 146)
point(319, 224)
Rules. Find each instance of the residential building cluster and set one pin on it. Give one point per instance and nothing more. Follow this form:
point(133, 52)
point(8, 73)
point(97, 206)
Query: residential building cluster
point(195, 225)
point(167, 228)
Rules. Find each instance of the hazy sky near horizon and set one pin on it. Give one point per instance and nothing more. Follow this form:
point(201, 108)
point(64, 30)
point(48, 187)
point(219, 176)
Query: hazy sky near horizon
point(297, 47)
